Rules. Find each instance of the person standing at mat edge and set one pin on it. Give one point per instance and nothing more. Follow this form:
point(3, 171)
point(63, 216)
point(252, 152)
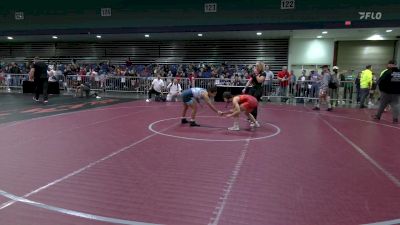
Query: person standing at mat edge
point(255, 83)
point(324, 89)
point(156, 87)
point(389, 85)
point(365, 85)
point(38, 73)
point(196, 94)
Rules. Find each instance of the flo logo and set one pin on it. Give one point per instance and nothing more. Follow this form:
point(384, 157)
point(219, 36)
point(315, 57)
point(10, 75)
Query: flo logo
point(370, 15)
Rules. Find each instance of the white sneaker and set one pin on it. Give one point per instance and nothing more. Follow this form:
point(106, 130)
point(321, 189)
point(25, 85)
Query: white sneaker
point(147, 100)
point(98, 97)
point(235, 128)
point(257, 124)
point(370, 103)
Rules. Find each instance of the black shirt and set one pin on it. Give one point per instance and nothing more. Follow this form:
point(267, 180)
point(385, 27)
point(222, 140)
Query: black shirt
point(390, 81)
point(40, 70)
point(255, 82)
point(14, 70)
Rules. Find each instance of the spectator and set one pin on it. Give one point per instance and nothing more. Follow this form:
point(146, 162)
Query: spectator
point(334, 85)
point(292, 84)
point(302, 89)
point(315, 82)
point(342, 81)
point(236, 80)
point(373, 90)
point(38, 73)
point(14, 69)
point(128, 62)
point(192, 78)
point(169, 76)
point(175, 90)
point(389, 85)
point(365, 85)
point(156, 87)
point(283, 78)
point(269, 77)
point(85, 88)
point(357, 84)
point(348, 85)
point(324, 88)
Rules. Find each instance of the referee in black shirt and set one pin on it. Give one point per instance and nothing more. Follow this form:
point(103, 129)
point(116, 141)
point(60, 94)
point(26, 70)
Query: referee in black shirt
point(39, 73)
point(256, 84)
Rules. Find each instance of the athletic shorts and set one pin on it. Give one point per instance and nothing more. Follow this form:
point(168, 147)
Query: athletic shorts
point(187, 97)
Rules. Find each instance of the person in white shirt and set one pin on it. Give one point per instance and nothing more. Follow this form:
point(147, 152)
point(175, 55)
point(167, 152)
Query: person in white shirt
point(175, 90)
point(156, 87)
point(51, 73)
point(268, 81)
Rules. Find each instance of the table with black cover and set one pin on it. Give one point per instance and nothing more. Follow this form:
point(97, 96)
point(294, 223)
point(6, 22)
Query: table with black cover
point(235, 90)
point(29, 87)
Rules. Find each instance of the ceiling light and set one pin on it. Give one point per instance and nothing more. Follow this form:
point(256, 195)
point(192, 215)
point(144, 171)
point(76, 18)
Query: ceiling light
point(146, 35)
point(259, 33)
point(324, 32)
point(200, 35)
point(54, 37)
point(388, 31)
point(10, 38)
point(319, 36)
point(375, 37)
point(98, 36)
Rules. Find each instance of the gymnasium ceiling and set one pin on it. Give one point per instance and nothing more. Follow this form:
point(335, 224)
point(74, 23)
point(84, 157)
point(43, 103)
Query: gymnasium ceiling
point(336, 34)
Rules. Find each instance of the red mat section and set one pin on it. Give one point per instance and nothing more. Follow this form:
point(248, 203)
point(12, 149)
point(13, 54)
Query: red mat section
point(295, 169)
point(309, 177)
point(44, 150)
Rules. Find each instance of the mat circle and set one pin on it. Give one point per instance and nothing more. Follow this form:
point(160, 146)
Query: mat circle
point(151, 128)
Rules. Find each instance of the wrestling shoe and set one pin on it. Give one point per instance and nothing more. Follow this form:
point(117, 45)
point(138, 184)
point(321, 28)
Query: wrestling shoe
point(234, 128)
point(194, 124)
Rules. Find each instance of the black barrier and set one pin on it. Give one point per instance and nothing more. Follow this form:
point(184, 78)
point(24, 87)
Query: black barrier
point(234, 90)
point(29, 87)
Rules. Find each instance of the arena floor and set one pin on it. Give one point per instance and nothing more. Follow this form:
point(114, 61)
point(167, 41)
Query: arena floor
point(113, 161)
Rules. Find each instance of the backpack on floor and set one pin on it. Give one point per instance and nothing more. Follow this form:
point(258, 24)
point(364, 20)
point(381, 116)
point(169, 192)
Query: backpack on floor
point(160, 98)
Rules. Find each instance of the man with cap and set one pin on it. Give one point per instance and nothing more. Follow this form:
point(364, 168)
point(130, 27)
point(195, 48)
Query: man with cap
point(334, 86)
point(389, 85)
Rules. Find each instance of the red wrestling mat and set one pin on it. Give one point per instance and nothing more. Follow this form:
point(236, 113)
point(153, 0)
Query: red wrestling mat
point(133, 163)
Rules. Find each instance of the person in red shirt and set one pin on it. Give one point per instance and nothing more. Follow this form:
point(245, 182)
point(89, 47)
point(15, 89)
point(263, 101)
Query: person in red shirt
point(283, 78)
point(241, 103)
point(192, 78)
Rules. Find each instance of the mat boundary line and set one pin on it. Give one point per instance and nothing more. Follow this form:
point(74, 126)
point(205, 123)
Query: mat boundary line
point(386, 173)
point(71, 212)
point(9, 203)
